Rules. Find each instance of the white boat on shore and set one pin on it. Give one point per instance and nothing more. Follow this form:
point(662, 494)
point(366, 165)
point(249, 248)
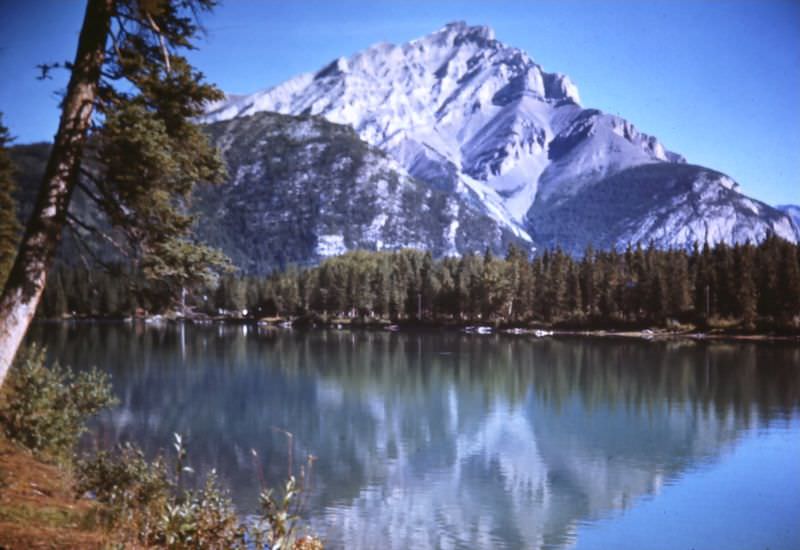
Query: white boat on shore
point(478, 330)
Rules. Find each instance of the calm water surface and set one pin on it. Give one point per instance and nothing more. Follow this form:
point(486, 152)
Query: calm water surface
point(444, 440)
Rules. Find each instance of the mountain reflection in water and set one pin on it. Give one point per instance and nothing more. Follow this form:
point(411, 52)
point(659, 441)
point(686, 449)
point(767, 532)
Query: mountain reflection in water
point(437, 440)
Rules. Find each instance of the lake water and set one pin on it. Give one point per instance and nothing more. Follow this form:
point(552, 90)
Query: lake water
point(445, 440)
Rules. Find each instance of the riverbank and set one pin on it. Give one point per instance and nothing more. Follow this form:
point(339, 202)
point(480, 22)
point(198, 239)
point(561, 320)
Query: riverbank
point(38, 508)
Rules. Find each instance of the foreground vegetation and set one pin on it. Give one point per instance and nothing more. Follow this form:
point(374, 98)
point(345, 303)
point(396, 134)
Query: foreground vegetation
point(135, 502)
point(745, 286)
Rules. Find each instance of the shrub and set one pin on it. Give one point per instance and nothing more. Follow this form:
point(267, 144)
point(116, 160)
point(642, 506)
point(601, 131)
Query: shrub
point(46, 409)
point(280, 517)
point(147, 506)
point(123, 480)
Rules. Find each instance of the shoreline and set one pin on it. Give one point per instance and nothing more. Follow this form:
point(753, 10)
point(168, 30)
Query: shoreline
point(538, 330)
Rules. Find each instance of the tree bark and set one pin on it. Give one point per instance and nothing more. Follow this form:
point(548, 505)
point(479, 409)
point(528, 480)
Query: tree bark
point(42, 235)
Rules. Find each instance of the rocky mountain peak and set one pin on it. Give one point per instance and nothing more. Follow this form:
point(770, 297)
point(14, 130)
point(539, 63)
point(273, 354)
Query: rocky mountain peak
point(459, 32)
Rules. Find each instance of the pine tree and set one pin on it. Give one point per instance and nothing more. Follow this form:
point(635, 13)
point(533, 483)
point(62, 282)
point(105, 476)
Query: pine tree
point(127, 137)
point(678, 282)
point(704, 282)
point(655, 284)
point(518, 275)
point(769, 259)
point(9, 226)
point(470, 287)
point(447, 299)
point(589, 295)
point(236, 295)
point(574, 294)
point(746, 295)
point(789, 282)
point(555, 304)
point(380, 278)
point(496, 288)
point(58, 303)
point(430, 285)
point(289, 291)
point(724, 274)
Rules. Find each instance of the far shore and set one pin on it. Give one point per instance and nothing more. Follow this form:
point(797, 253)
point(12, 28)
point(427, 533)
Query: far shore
point(534, 330)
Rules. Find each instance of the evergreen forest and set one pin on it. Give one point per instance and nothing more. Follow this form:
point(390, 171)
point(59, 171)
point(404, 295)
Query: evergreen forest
point(746, 286)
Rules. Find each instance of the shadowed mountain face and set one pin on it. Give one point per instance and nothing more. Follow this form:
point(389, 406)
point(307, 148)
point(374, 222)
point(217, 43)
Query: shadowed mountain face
point(439, 440)
point(302, 188)
point(475, 118)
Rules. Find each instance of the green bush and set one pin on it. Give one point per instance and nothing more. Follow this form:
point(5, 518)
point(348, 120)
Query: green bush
point(123, 480)
point(46, 409)
point(147, 506)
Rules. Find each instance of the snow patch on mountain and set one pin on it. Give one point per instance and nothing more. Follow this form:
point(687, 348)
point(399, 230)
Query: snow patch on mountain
point(793, 211)
point(330, 245)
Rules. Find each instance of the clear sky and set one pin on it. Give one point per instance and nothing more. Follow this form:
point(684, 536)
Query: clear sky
point(715, 80)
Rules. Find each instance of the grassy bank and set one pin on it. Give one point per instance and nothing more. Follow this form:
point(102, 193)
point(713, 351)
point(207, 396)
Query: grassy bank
point(38, 508)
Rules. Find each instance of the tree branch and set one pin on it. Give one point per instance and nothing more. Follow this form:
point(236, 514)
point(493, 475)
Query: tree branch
point(102, 234)
point(161, 40)
point(84, 246)
point(99, 201)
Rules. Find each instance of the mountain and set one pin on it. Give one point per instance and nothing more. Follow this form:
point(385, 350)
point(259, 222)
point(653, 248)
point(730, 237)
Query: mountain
point(302, 188)
point(793, 211)
point(452, 143)
point(663, 203)
point(465, 115)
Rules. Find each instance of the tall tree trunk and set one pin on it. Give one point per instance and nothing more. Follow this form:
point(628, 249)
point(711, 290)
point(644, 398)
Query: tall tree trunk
point(43, 233)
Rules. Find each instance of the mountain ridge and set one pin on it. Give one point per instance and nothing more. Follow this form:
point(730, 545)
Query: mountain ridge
point(505, 155)
point(469, 115)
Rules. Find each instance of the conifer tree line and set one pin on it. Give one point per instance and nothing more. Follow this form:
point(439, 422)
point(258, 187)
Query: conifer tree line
point(745, 283)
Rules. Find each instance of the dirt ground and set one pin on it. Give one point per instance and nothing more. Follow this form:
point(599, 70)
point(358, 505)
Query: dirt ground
point(38, 508)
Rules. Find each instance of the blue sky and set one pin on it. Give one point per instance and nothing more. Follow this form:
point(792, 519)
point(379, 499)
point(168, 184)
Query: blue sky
point(717, 81)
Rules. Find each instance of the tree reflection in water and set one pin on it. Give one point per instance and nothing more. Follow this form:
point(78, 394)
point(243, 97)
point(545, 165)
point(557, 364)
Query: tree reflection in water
point(437, 439)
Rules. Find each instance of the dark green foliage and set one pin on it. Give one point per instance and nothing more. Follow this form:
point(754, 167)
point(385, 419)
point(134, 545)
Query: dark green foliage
point(744, 283)
point(9, 226)
point(29, 162)
point(123, 477)
point(46, 408)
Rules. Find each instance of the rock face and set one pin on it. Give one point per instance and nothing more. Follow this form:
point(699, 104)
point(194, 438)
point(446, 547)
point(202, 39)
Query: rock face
point(667, 204)
point(302, 188)
point(793, 211)
point(482, 123)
